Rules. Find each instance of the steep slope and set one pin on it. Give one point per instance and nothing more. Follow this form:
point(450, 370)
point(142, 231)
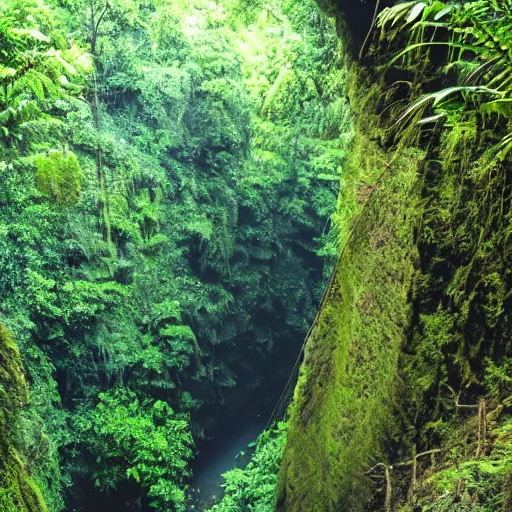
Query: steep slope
point(416, 323)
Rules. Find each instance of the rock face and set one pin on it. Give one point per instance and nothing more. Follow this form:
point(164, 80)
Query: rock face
point(18, 492)
point(419, 311)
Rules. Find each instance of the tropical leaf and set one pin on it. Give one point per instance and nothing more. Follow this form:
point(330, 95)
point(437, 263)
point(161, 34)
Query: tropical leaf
point(479, 46)
point(443, 12)
point(394, 14)
point(416, 12)
point(438, 97)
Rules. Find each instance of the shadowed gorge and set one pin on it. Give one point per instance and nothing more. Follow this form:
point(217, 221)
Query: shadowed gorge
point(255, 256)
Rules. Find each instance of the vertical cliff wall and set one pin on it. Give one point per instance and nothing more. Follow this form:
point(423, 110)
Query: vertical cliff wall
point(416, 322)
point(345, 399)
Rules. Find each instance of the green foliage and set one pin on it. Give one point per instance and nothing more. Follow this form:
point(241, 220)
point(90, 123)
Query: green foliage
point(18, 493)
point(254, 488)
point(343, 403)
point(59, 176)
point(498, 377)
point(475, 483)
point(13, 388)
point(476, 132)
point(163, 209)
point(477, 49)
point(434, 338)
point(39, 69)
point(141, 440)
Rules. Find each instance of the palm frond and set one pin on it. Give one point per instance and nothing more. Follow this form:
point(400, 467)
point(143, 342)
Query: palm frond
point(479, 45)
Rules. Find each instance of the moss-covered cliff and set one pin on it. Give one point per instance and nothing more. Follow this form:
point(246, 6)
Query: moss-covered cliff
point(18, 492)
point(417, 322)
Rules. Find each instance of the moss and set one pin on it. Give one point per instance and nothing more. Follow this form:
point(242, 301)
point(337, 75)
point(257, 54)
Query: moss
point(18, 492)
point(344, 401)
point(13, 388)
point(419, 312)
point(59, 176)
point(507, 491)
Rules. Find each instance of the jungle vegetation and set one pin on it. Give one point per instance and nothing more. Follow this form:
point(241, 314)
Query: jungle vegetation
point(167, 174)
point(178, 180)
